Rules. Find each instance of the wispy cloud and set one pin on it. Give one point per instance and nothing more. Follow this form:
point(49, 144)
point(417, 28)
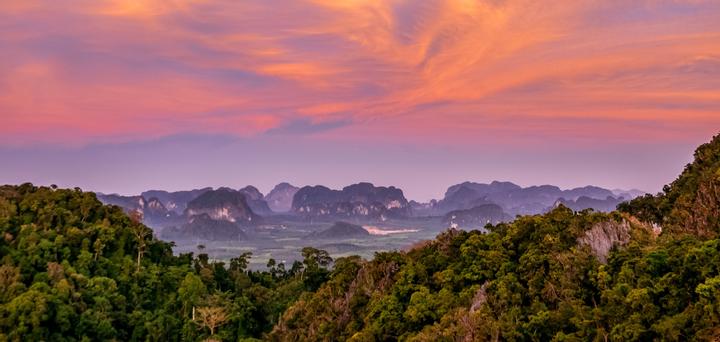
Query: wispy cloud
point(84, 71)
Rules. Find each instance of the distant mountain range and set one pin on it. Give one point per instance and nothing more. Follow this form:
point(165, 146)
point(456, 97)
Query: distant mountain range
point(516, 200)
point(227, 213)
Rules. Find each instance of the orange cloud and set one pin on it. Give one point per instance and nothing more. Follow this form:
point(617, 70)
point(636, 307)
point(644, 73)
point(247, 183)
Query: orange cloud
point(414, 70)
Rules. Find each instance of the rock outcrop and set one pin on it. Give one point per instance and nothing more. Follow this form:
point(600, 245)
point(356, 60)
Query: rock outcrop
point(280, 198)
point(175, 201)
point(224, 205)
point(361, 201)
point(603, 236)
point(152, 211)
point(256, 200)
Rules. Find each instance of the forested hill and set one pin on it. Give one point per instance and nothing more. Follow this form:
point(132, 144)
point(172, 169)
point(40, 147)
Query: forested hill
point(72, 269)
point(690, 204)
point(562, 276)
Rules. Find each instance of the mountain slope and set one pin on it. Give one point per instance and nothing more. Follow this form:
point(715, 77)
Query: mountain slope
point(361, 201)
point(280, 197)
point(222, 204)
point(151, 210)
point(256, 200)
point(564, 275)
point(175, 201)
point(690, 204)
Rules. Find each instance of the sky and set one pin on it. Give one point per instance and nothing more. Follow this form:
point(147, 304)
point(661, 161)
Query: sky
point(127, 95)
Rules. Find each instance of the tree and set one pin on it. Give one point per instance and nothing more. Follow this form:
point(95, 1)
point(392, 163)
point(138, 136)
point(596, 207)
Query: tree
point(240, 263)
point(315, 262)
point(141, 234)
point(211, 317)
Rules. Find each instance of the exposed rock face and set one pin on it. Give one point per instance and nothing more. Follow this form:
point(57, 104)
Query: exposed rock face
point(423, 209)
point(222, 204)
point(155, 211)
point(256, 200)
point(280, 198)
point(128, 203)
point(476, 217)
point(342, 230)
point(694, 198)
point(707, 203)
point(175, 201)
point(363, 200)
point(152, 211)
point(204, 227)
point(480, 298)
point(603, 236)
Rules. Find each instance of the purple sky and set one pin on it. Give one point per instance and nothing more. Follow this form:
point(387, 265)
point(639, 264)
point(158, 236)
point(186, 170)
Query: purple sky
point(424, 172)
point(127, 95)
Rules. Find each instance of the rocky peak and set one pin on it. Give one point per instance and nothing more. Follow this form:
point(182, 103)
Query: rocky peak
point(155, 211)
point(222, 204)
point(155, 204)
point(280, 198)
point(256, 200)
point(251, 193)
point(175, 201)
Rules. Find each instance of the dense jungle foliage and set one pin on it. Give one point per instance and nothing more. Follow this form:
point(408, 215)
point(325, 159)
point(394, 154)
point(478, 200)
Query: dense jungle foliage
point(73, 269)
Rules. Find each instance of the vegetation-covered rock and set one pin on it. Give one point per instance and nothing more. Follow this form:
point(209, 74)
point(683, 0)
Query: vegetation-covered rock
point(690, 204)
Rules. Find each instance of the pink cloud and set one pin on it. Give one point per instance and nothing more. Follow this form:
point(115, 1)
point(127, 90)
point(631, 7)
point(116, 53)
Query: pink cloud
point(433, 71)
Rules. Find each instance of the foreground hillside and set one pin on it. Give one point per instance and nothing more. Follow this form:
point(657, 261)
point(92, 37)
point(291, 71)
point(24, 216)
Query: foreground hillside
point(73, 269)
point(563, 276)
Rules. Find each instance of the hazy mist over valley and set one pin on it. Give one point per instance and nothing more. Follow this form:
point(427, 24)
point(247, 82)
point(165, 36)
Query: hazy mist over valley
point(223, 222)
